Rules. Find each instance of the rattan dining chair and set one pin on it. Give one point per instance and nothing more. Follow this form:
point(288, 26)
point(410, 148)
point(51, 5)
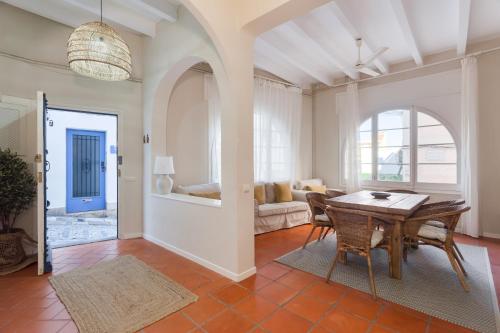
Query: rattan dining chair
point(416, 228)
point(439, 224)
point(319, 219)
point(356, 234)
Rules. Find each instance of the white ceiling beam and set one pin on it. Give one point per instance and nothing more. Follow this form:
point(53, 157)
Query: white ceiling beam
point(340, 13)
point(162, 10)
point(266, 48)
point(303, 36)
point(264, 62)
point(463, 26)
point(404, 25)
point(115, 14)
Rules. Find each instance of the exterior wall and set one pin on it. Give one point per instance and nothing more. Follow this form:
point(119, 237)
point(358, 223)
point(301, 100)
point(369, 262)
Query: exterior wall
point(35, 37)
point(56, 146)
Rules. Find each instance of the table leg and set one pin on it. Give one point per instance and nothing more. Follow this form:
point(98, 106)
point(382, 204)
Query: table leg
point(397, 251)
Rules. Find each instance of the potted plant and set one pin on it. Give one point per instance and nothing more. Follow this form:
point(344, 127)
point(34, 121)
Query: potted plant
point(17, 191)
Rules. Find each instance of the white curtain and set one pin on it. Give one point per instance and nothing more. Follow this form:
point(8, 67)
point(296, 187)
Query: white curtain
point(277, 119)
point(214, 129)
point(349, 131)
point(469, 147)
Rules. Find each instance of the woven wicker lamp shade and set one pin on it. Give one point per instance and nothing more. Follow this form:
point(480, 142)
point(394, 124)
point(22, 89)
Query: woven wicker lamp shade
point(97, 51)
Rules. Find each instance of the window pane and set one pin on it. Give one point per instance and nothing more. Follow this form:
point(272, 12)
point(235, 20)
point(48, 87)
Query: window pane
point(437, 154)
point(424, 120)
point(365, 139)
point(366, 171)
point(366, 155)
point(437, 173)
point(391, 138)
point(433, 135)
point(366, 125)
point(394, 172)
point(394, 119)
point(394, 155)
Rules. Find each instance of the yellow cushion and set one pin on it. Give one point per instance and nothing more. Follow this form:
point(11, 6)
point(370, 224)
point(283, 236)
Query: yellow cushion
point(283, 192)
point(259, 194)
point(315, 188)
point(209, 195)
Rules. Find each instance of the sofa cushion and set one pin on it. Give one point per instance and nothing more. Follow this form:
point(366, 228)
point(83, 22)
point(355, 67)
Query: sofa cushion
point(283, 192)
point(208, 195)
point(282, 208)
point(377, 237)
point(322, 218)
point(259, 193)
point(270, 197)
point(315, 188)
point(303, 183)
point(212, 187)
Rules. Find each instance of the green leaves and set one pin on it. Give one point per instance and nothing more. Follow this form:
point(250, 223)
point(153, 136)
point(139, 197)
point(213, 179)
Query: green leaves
point(17, 188)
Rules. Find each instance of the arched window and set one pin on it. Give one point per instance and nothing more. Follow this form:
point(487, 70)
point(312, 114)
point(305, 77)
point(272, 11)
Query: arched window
point(408, 147)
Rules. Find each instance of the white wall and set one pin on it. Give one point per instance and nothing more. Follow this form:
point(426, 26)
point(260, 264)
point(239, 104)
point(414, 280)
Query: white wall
point(187, 129)
point(438, 93)
point(56, 147)
point(220, 238)
point(32, 36)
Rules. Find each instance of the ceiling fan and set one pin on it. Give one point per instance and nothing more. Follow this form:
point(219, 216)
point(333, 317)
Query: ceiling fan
point(363, 66)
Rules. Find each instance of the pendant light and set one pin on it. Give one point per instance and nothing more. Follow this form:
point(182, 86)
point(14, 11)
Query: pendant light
point(96, 50)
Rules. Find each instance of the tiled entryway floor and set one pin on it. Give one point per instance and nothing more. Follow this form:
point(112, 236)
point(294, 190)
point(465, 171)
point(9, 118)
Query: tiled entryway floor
point(277, 299)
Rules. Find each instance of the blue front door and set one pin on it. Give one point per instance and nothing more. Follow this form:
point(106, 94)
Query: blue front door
point(85, 171)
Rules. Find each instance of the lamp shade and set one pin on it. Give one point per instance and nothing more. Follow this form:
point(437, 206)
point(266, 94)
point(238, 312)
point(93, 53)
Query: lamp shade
point(96, 50)
point(164, 165)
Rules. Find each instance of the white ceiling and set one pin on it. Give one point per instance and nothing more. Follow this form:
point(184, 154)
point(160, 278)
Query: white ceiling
point(139, 16)
point(319, 47)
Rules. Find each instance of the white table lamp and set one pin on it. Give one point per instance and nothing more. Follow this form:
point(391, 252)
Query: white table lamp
point(164, 166)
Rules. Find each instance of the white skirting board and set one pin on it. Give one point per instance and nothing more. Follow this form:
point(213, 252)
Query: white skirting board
point(203, 262)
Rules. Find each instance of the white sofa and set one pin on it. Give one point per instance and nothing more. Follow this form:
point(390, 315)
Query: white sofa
point(273, 215)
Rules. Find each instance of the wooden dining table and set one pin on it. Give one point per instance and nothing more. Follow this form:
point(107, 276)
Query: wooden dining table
point(399, 206)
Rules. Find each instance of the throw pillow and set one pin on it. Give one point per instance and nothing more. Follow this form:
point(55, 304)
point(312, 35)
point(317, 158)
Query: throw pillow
point(316, 188)
point(209, 195)
point(283, 192)
point(259, 193)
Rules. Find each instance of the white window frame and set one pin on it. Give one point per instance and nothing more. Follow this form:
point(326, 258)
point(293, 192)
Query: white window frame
point(413, 184)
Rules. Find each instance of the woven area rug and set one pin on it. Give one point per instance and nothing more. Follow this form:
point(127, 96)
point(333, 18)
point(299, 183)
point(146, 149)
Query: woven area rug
point(429, 283)
point(120, 295)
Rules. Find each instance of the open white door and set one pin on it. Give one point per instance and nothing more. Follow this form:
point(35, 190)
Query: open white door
point(44, 253)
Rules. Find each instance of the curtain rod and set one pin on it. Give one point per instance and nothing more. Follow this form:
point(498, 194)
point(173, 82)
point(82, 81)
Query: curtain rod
point(286, 83)
point(474, 54)
point(48, 64)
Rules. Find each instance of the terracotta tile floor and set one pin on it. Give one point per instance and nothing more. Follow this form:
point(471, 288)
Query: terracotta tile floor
point(277, 299)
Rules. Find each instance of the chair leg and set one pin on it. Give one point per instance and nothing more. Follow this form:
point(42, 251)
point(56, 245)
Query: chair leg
point(389, 254)
point(329, 275)
point(309, 236)
point(459, 262)
point(326, 232)
point(457, 269)
point(405, 251)
point(320, 233)
point(370, 273)
point(458, 250)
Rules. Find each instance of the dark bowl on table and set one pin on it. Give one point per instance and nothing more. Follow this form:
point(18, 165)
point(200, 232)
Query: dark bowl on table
point(380, 195)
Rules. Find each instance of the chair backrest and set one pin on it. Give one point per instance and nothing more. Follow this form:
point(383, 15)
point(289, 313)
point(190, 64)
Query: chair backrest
point(448, 214)
point(316, 202)
point(354, 228)
point(402, 191)
point(331, 193)
point(442, 204)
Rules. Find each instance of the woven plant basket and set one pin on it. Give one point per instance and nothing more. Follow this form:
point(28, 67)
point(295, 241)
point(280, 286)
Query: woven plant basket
point(12, 254)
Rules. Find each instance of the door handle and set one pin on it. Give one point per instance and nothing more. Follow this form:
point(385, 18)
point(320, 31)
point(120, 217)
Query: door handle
point(103, 166)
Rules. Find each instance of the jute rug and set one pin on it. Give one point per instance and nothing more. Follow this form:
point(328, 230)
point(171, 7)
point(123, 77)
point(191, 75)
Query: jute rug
point(429, 284)
point(120, 295)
